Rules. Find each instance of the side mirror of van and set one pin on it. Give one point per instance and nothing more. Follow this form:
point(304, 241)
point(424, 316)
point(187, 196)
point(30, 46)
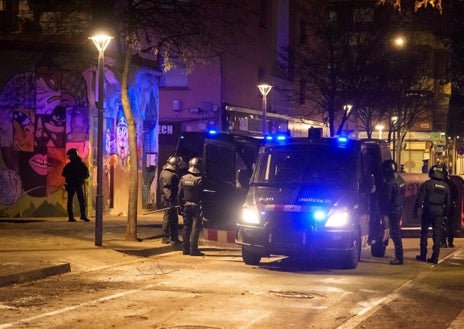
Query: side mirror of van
point(368, 184)
point(243, 178)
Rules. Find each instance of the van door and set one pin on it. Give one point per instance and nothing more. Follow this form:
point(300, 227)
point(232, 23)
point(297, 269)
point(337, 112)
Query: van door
point(222, 199)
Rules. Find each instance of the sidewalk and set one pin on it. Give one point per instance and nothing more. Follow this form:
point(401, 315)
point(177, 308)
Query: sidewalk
point(34, 248)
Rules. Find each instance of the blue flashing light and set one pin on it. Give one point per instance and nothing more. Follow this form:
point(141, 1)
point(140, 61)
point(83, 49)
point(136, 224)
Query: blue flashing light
point(342, 139)
point(212, 132)
point(319, 215)
point(280, 138)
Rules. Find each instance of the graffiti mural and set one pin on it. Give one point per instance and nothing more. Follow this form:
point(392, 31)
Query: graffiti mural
point(47, 110)
point(43, 113)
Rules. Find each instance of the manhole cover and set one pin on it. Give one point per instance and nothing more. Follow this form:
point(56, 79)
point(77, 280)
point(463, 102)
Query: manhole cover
point(291, 294)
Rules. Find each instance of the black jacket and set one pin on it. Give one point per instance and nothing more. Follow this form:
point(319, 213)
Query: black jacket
point(75, 172)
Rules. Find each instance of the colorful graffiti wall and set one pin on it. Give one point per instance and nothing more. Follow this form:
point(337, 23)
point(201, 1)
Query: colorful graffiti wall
point(49, 109)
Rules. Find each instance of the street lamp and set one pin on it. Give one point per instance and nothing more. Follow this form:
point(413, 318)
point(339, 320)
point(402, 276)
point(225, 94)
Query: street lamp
point(347, 108)
point(264, 88)
point(101, 41)
point(394, 120)
point(379, 128)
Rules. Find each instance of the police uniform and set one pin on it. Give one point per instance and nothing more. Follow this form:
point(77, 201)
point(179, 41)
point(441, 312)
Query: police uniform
point(190, 195)
point(169, 183)
point(452, 218)
point(434, 197)
point(394, 195)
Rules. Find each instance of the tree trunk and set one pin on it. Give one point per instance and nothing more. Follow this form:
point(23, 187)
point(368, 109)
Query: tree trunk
point(131, 228)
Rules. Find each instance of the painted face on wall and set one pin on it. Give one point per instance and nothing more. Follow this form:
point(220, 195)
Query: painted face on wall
point(50, 128)
point(23, 130)
point(122, 138)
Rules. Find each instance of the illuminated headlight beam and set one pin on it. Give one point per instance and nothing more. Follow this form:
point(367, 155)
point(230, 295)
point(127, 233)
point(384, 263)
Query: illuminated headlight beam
point(338, 218)
point(250, 216)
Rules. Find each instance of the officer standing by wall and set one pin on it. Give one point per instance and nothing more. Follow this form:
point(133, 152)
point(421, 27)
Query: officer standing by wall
point(449, 222)
point(75, 172)
point(393, 205)
point(190, 195)
point(169, 184)
point(434, 197)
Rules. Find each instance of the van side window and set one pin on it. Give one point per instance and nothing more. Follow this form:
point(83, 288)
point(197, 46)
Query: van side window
point(221, 162)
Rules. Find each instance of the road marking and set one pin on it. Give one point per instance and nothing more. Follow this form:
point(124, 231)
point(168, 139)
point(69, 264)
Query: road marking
point(369, 310)
point(71, 308)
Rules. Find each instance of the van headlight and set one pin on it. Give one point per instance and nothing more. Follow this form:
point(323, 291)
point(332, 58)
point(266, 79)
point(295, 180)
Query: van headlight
point(250, 215)
point(338, 218)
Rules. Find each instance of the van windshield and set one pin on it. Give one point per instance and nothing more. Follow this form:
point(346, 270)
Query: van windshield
point(306, 164)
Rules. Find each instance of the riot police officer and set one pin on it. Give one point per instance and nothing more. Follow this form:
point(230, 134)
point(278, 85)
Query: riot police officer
point(393, 204)
point(448, 222)
point(169, 184)
point(190, 195)
point(434, 197)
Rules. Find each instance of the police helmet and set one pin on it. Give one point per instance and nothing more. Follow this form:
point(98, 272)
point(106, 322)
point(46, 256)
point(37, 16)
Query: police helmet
point(174, 162)
point(72, 153)
point(437, 172)
point(389, 167)
point(195, 165)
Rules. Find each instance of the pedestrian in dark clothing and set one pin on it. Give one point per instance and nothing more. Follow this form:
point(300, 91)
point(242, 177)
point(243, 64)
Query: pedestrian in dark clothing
point(393, 205)
point(169, 184)
point(434, 198)
point(449, 222)
point(75, 172)
point(190, 196)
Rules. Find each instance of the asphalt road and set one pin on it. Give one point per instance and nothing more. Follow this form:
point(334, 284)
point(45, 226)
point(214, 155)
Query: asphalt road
point(149, 285)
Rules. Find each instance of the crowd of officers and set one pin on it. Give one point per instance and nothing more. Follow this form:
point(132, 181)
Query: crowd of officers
point(181, 193)
point(436, 198)
point(182, 186)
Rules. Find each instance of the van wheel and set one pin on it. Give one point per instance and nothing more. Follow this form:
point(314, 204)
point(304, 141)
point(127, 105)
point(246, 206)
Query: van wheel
point(378, 249)
point(249, 257)
point(352, 259)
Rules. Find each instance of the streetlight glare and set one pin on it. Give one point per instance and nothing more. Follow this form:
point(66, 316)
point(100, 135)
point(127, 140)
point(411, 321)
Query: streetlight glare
point(399, 42)
point(264, 88)
point(101, 41)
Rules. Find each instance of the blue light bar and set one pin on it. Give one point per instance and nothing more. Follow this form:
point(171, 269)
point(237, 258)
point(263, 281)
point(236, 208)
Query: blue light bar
point(212, 132)
point(342, 139)
point(280, 138)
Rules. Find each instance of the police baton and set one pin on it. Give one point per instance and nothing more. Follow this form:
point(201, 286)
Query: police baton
point(159, 210)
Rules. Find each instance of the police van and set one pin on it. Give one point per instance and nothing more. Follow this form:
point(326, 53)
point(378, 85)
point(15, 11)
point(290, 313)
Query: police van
point(315, 197)
point(224, 155)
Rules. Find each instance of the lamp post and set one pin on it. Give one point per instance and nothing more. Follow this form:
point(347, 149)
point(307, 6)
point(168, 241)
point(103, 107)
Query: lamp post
point(264, 88)
point(101, 41)
point(394, 120)
point(379, 128)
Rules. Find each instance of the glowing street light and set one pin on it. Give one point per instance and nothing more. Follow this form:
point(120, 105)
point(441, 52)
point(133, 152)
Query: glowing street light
point(101, 41)
point(347, 108)
point(264, 88)
point(379, 128)
point(399, 42)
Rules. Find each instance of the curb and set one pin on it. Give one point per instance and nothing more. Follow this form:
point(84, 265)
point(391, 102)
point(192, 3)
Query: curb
point(219, 235)
point(34, 274)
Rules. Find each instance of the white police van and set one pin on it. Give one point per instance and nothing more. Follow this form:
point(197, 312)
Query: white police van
point(316, 198)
